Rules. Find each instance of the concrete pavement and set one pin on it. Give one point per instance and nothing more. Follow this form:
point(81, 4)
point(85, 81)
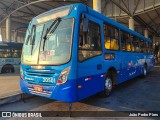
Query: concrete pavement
point(9, 84)
point(10, 89)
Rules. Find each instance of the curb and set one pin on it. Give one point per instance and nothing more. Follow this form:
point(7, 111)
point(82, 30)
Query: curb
point(14, 98)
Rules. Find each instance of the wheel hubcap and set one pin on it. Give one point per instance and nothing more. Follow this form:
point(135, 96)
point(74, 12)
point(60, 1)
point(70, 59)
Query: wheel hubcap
point(108, 84)
point(145, 71)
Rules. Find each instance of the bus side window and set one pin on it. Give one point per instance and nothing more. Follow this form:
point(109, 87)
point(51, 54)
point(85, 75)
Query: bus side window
point(132, 45)
point(125, 41)
point(111, 35)
point(142, 46)
point(146, 47)
point(135, 44)
point(150, 48)
point(128, 43)
point(89, 42)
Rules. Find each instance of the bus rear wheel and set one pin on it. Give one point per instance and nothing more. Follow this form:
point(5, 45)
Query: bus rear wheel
point(7, 69)
point(144, 73)
point(108, 85)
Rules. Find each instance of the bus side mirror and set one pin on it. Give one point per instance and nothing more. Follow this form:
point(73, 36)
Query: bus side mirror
point(85, 24)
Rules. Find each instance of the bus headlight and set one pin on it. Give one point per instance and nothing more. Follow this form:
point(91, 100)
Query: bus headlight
point(63, 76)
point(21, 73)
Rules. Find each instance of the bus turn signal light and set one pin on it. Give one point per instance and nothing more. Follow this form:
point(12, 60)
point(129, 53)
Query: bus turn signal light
point(79, 86)
point(63, 76)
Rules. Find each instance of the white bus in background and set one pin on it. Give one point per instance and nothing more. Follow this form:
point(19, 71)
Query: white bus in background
point(10, 57)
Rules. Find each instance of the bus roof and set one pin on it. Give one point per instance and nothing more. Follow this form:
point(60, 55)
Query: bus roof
point(11, 44)
point(97, 15)
point(112, 22)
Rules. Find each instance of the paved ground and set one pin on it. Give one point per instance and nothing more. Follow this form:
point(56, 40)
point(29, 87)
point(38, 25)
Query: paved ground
point(9, 84)
point(135, 95)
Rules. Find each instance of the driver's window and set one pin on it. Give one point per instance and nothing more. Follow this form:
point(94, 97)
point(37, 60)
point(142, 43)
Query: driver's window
point(89, 42)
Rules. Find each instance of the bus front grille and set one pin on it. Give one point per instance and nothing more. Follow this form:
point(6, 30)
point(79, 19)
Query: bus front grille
point(44, 73)
point(40, 74)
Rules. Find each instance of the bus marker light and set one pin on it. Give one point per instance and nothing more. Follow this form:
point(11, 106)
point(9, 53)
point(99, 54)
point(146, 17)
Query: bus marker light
point(79, 86)
point(130, 63)
point(89, 78)
point(103, 75)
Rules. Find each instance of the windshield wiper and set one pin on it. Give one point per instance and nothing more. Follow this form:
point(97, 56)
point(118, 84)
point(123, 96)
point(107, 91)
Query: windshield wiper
point(57, 21)
point(28, 38)
point(33, 38)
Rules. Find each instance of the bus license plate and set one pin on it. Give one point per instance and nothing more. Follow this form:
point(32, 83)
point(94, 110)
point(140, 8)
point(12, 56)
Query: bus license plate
point(38, 88)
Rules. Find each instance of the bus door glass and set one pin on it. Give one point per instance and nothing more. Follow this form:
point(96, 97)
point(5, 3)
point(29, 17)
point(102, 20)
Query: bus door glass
point(89, 57)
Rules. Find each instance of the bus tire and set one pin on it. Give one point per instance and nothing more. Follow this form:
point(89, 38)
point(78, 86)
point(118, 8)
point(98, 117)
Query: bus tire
point(108, 84)
point(144, 73)
point(7, 69)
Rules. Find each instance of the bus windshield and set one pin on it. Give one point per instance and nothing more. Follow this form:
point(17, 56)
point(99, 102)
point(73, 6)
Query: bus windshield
point(53, 48)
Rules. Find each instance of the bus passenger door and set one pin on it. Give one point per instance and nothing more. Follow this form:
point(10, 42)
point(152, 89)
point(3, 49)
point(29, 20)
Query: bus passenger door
point(90, 57)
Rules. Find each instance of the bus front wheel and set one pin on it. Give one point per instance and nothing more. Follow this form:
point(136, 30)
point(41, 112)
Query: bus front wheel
point(108, 85)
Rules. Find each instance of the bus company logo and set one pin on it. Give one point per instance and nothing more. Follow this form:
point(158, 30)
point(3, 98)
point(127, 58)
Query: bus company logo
point(6, 114)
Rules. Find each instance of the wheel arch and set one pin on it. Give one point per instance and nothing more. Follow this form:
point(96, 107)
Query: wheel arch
point(7, 65)
point(112, 70)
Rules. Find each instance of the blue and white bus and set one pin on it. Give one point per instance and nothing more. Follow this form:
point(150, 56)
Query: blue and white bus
point(73, 52)
point(10, 57)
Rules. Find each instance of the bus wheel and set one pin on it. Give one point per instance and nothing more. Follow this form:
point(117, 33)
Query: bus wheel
point(144, 73)
point(108, 85)
point(8, 69)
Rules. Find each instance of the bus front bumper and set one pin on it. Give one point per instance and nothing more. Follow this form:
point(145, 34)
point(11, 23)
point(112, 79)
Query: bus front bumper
point(65, 92)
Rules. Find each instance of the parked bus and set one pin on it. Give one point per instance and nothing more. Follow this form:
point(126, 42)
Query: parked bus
point(10, 57)
point(73, 52)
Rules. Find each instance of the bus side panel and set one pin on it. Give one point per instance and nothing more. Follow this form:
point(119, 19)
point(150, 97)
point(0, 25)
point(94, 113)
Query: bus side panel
point(137, 65)
point(131, 66)
point(126, 67)
point(90, 77)
point(116, 63)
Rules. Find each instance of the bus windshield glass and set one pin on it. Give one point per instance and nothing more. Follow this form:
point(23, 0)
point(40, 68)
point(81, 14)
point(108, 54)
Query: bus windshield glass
point(53, 48)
